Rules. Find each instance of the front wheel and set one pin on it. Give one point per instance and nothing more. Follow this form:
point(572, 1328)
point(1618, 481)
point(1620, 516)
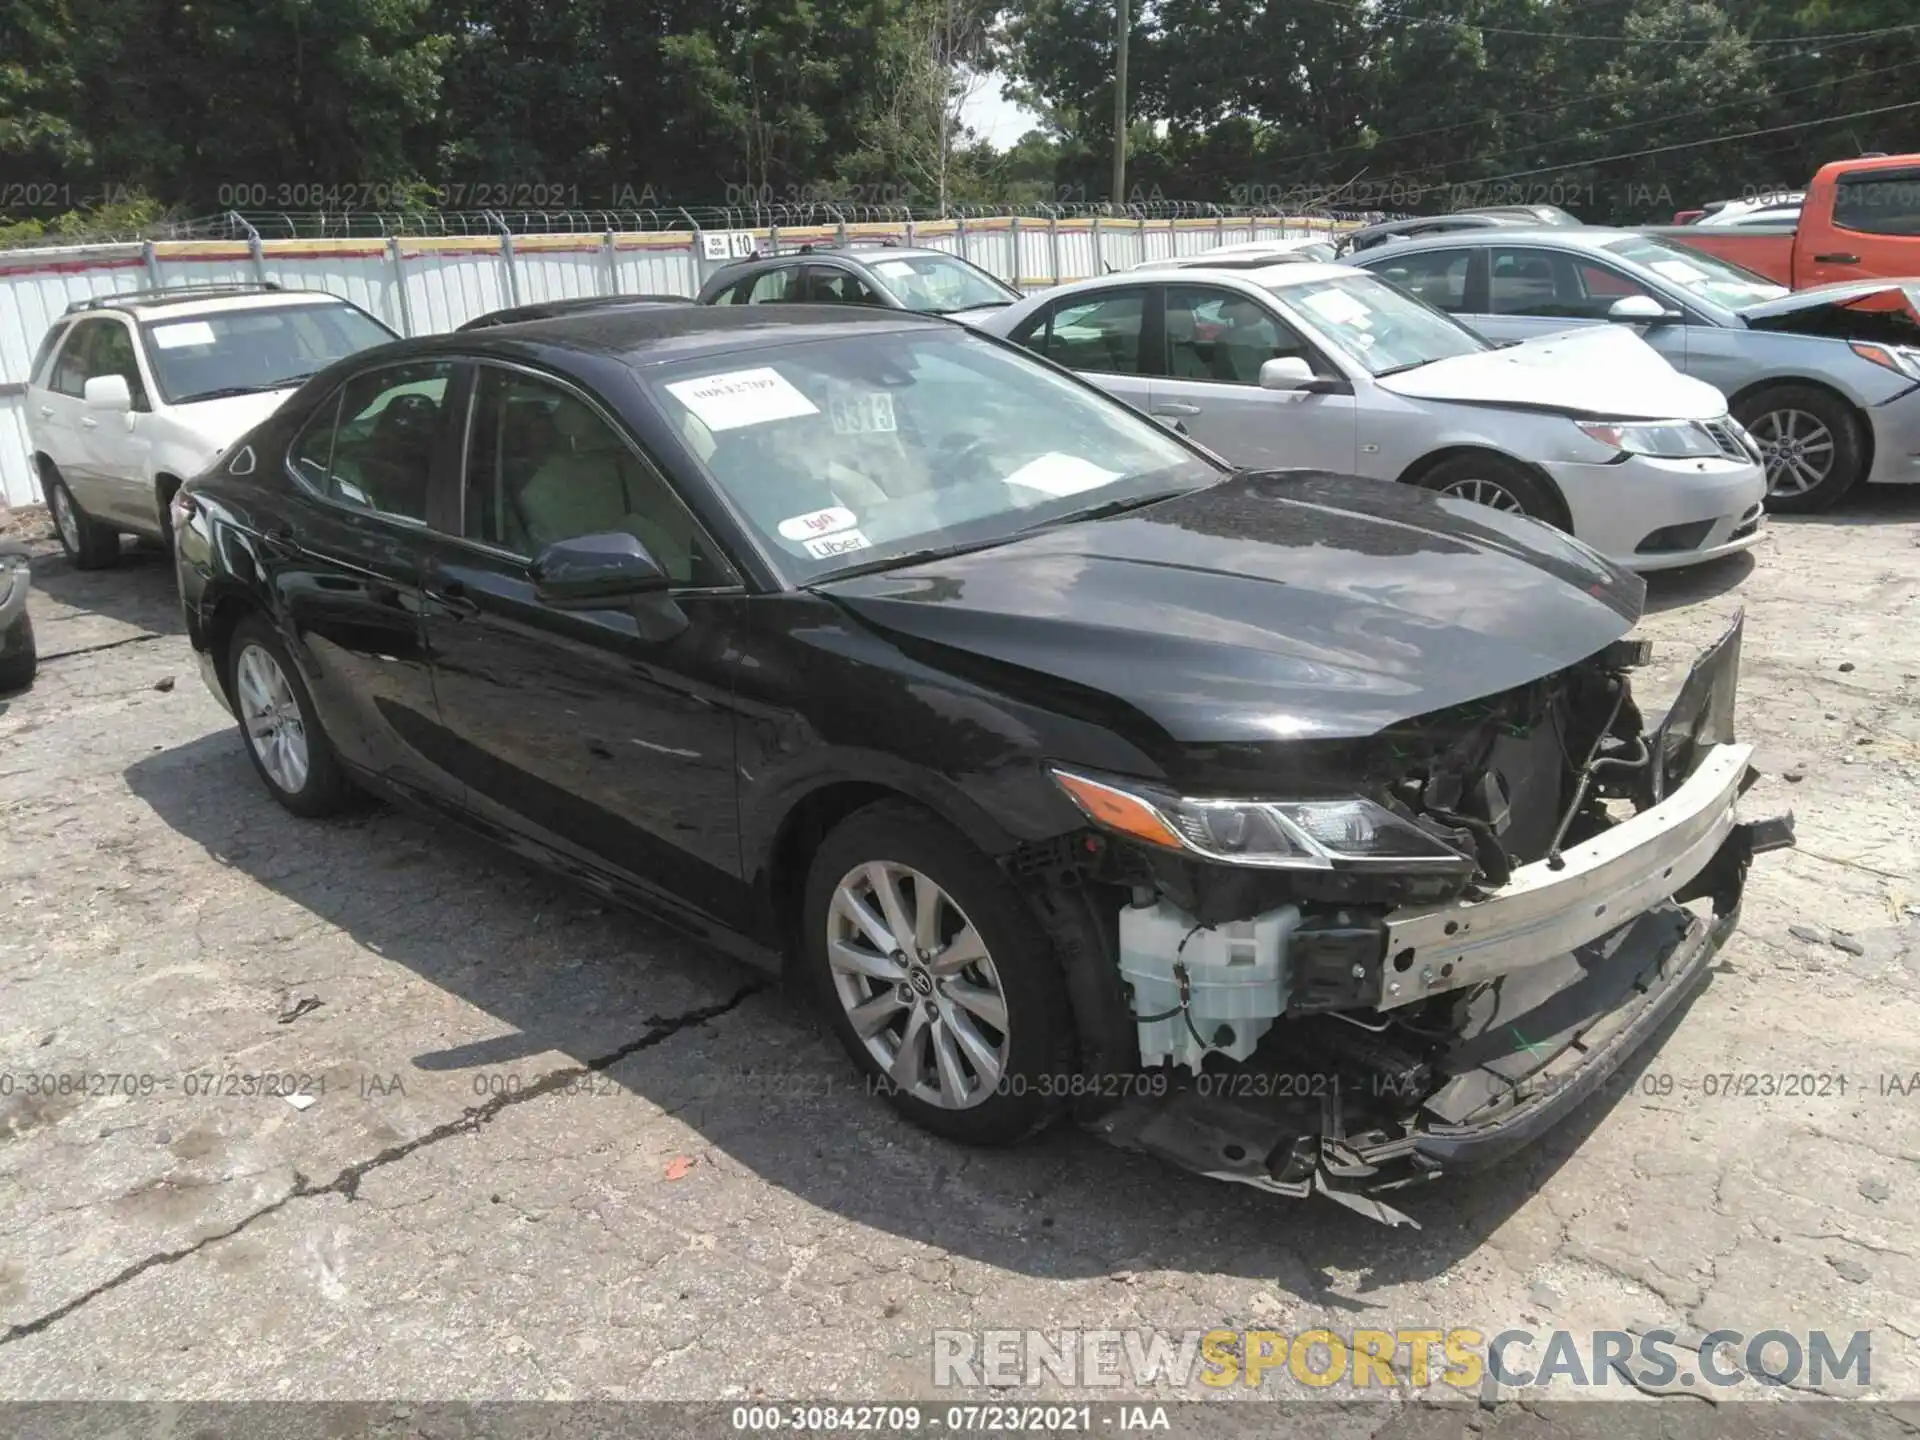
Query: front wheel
point(289, 750)
point(1810, 440)
point(19, 658)
point(937, 977)
point(1499, 484)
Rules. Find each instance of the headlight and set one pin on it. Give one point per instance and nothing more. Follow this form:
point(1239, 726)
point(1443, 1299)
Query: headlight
point(1272, 834)
point(1898, 358)
point(1661, 439)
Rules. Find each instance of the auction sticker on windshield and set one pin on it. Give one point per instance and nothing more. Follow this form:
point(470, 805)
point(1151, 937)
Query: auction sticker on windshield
point(1336, 307)
point(1061, 475)
point(187, 332)
point(827, 546)
point(830, 521)
point(863, 414)
point(742, 397)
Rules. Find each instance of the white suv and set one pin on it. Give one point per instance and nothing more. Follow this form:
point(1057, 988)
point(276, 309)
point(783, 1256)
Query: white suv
point(132, 393)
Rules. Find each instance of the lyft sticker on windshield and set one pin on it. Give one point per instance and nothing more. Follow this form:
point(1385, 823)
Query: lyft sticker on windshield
point(863, 414)
point(830, 521)
point(742, 397)
point(828, 546)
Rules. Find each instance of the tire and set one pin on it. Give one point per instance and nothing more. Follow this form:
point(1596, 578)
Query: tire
point(292, 755)
point(1499, 483)
point(1820, 424)
point(19, 659)
point(1015, 964)
point(88, 543)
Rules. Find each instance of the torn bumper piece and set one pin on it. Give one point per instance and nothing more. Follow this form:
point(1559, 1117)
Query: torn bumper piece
point(1590, 960)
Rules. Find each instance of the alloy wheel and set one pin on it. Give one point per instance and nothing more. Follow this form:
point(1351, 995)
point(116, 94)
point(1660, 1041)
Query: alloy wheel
point(1797, 448)
point(1486, 492)
point(271, 716)
point(64, 519)
point(917, 985)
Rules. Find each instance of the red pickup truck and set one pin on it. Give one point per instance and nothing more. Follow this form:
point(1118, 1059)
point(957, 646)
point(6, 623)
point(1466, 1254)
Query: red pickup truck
point(1860, 220)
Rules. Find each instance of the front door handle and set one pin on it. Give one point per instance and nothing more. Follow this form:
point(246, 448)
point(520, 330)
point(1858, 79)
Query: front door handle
point(1176, 407)
point(1836, 259)
point(87, 422)
point(280, 539)
point(46, 412)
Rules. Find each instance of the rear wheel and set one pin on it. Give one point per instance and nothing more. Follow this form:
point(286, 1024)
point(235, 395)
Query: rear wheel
point(1811, 442)
point(89, 544)
point(284, 740)
point(19, 659)
point(1499, 484)
point(938, 977)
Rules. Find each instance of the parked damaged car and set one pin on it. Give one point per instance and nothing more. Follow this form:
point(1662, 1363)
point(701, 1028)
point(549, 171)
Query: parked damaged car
point(1074, 771)
point(1827, 380)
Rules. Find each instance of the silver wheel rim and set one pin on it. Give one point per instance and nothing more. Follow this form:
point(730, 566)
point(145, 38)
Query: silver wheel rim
point(63, 520)
point(271, 716)
point(1797, 448)
point(917, 984)
point(1490, 493)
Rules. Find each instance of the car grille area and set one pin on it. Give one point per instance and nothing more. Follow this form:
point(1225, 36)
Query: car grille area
point(1670, 538)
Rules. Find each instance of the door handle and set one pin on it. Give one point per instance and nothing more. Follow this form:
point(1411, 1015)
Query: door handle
point(1836, 259)
point(87, 422)
point(280, 540)
point(451, 596)
point(46, 412)
point(1176, 407)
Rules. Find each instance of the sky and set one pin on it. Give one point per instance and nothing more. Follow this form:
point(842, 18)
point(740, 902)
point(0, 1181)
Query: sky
point(999, 122)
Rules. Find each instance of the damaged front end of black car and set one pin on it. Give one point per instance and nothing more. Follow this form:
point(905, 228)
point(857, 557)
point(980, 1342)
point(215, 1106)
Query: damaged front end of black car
point(1428, 966)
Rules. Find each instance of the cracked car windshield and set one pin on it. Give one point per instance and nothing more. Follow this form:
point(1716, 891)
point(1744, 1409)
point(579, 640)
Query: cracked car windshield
point(240, 351)
point(936, 285)
point(1377, 325)
point(851, 451)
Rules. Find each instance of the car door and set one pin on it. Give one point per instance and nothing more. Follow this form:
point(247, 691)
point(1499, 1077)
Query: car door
point(62, 408)
point(1103, 335)
point(603, 736)
point(1216, 341)
point(117, 444)
point(346, 560)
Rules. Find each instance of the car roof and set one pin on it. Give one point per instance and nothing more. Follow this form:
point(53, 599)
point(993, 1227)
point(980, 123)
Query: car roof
point(569, 305)
point(656, 334)
point(185, 302)
point(1576, 237)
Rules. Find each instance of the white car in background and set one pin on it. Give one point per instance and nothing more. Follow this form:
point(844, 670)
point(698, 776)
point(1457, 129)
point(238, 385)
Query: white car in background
point(132, 393)
point(1324, 367)
point(1249, 253)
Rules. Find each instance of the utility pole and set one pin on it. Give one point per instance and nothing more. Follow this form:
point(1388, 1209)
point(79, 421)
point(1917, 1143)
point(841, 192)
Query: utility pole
point(1120, 107)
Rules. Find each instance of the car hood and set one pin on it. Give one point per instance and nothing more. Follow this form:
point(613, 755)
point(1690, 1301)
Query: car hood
point(1887, 311)
point(220, 422)
point(1605, 371)
point(1287, 605)
point(979, 313)
point(1841, 292)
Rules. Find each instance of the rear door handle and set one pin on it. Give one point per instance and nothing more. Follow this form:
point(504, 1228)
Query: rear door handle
point(87, 422)
point(1836, 259)
point(1176, 407)
point(46, 412)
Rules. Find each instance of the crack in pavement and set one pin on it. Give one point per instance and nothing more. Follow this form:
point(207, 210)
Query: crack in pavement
point(346, 1184)
point(103, 645)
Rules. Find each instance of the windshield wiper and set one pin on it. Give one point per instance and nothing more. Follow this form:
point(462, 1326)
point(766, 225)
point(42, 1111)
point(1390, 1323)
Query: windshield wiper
point(229, 391)
point(1109, 507)
point(1400, 369)
point(915, 557)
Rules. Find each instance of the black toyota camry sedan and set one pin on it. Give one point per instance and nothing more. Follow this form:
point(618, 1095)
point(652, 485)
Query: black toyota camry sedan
point(1303, 830)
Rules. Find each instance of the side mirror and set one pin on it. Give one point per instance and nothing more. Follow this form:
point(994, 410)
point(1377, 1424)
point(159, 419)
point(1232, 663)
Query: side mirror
point(108, 392)
point(1286, 373)
point(1640, 310)
point(593, 572)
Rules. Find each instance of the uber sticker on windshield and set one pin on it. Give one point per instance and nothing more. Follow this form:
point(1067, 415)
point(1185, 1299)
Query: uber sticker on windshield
point(742, 397)
point(187, 332)
point(828, 546)
point(830, 521)
point(862, 414)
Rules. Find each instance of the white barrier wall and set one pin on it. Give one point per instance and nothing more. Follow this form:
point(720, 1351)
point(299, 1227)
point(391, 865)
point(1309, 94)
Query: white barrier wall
point(424, 285)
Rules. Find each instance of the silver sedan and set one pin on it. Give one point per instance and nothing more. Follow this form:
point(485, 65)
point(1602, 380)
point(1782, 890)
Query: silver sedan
point(1827, 379)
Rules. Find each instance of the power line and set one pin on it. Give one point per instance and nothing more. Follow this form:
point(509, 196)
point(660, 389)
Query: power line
point(1689, 144)
point(1456, 23)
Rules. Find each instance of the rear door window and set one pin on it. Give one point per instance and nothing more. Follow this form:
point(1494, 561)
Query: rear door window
point(1102, 333)
point(1884, 203)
